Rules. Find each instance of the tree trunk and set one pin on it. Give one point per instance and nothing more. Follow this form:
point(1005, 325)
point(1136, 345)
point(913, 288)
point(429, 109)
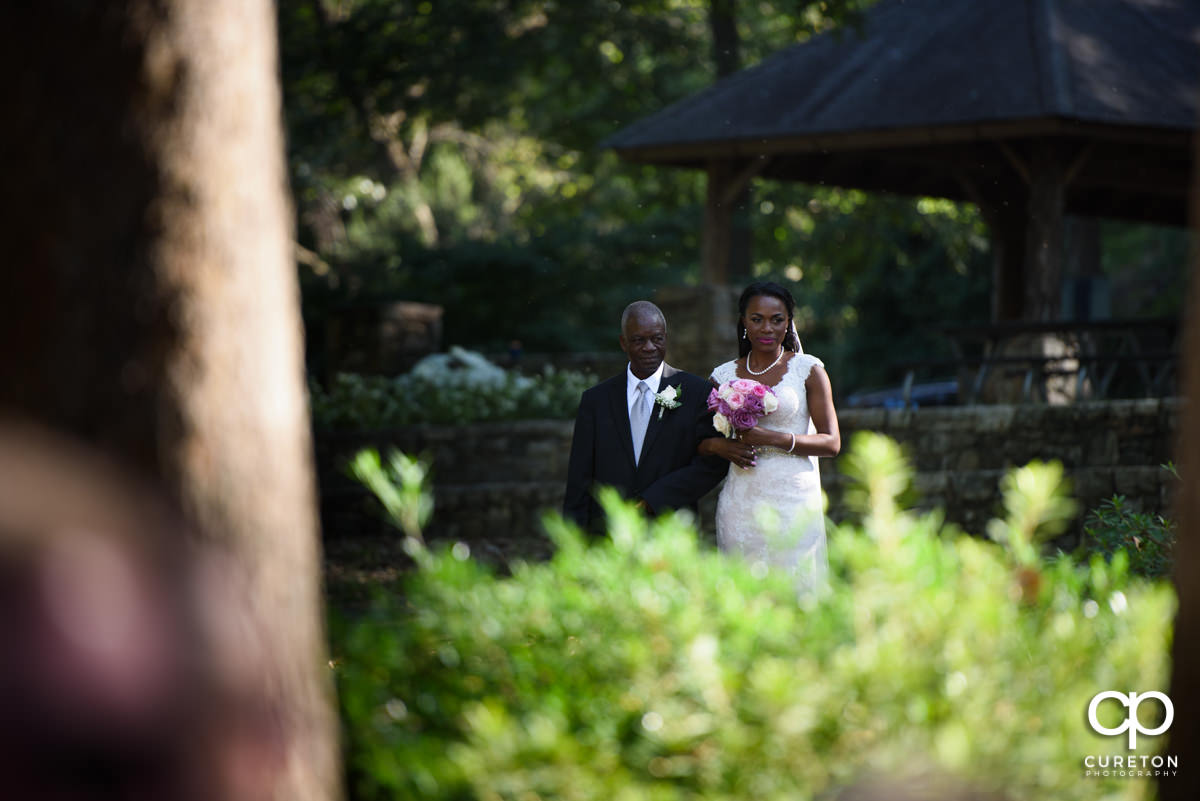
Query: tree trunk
point(152, 306)
point(1185, 651)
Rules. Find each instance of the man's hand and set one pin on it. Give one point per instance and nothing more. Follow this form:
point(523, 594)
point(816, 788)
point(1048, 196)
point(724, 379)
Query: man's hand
point(739, 452)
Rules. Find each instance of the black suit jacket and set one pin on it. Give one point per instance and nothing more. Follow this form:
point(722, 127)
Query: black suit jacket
point(670, 475)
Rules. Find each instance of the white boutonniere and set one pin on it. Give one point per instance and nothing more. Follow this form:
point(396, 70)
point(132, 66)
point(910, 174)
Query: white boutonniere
point(668, 399)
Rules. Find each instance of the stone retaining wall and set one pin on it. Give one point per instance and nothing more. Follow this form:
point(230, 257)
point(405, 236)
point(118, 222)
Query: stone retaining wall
point(960, 453)
point(492, 481)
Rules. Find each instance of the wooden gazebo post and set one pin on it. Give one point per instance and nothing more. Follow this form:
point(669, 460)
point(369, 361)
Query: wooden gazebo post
point(1028, 232)
point(1045, 213)
point(718, 225)
point(725, 184)
point(1006, 223)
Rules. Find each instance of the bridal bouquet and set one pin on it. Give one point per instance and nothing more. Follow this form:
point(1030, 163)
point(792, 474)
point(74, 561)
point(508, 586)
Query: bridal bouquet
point(739, 405)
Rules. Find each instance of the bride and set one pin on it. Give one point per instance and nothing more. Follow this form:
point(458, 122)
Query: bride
point(770, 509)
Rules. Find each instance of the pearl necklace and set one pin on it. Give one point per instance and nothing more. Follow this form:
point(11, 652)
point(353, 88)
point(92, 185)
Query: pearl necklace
point(752, 371)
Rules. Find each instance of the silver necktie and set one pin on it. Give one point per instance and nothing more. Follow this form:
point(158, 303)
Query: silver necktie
point(639, 416)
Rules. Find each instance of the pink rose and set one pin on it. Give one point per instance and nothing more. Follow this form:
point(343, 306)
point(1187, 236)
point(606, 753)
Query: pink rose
point(736, 399)
point(760, 390)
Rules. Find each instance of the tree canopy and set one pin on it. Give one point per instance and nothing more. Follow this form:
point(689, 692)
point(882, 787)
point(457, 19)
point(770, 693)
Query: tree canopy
point(450, 152)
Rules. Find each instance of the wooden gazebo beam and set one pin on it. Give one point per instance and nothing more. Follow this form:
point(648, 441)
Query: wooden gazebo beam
point(1025, 188)
point(696, 154)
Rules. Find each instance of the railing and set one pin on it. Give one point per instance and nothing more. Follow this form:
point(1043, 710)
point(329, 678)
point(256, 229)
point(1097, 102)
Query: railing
point(1096, 360)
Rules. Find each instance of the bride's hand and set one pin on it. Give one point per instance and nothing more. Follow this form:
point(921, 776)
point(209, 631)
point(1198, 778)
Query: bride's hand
point(759, 437)
point(738, 452)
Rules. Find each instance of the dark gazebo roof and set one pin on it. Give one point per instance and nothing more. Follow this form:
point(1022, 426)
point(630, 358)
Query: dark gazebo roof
point(943, 98)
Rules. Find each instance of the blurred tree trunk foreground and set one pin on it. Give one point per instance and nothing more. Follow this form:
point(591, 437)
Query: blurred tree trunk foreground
point(1184, 735)
point(150, 305)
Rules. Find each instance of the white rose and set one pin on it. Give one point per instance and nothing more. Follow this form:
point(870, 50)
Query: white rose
point(721, 423)
point(770, 402)
point(667, 394)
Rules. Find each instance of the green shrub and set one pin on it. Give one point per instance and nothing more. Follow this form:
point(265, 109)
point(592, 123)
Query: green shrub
point(365, 402)
point(647, 666)
point(1147, 540)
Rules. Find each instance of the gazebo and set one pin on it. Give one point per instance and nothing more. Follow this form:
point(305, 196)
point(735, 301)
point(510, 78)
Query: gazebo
point(1032, 109)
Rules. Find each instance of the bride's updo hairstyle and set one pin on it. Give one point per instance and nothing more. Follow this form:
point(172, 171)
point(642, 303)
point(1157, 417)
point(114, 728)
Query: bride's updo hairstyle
point(757, 289)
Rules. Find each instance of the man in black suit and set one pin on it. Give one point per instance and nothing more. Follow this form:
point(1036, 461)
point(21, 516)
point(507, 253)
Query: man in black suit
point(626, 438)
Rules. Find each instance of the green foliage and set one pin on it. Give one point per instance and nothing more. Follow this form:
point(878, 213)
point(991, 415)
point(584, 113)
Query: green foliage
point(882, 477)
point(648, 666)
point(564, 72)
point(400, 487)
point(875, 277)
point(560, 292)
point(366, 402)
point(1146, 540)
point(449, 152)
point(1037, 508)
point(1147, 267)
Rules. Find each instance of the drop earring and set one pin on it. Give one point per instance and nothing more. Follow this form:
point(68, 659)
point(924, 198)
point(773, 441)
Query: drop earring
point(743, 333)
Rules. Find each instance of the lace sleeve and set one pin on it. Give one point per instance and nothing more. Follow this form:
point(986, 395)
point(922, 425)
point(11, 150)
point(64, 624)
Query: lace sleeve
point(802, 365)
point(724, 372)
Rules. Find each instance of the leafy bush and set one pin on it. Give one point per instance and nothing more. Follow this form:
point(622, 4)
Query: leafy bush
point(1148, 540)
point(437, 392)
point(649, 666)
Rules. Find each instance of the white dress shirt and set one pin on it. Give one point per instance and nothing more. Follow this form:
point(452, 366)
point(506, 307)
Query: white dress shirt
point(631, 381)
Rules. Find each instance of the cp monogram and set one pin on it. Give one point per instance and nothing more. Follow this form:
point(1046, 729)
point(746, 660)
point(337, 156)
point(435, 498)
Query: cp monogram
point(1132, 724)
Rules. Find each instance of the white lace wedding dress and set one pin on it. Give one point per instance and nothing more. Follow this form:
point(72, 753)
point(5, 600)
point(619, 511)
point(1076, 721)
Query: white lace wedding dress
point(773, 513)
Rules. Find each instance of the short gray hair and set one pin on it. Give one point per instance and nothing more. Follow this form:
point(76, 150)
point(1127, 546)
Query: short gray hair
point(639, 308)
